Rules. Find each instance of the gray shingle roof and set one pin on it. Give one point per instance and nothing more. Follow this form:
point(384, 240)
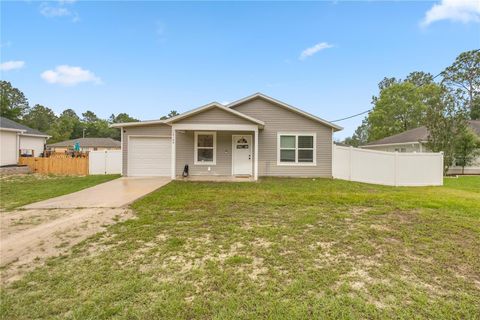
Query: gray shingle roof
point(417, 134)
point(88, 142)
point(10, 124)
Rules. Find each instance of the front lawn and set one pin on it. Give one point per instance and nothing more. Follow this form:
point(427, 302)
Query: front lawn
point(278, 249)
point(467, 183)
point(20, 190)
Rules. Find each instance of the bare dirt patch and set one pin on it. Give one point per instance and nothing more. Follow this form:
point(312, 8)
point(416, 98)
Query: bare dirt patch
point(356, 211)
point(29, 237)
point(21, 176)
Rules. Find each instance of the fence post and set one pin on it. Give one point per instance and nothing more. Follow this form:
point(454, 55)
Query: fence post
point(350, 156)
point(395, 169)
point(333, 160)
point(442, 167)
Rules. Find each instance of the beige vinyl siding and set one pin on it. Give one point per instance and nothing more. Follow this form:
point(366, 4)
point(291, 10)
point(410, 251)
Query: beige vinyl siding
point(28, 143)
point(185, 153)
point(151, 130)
point(278, 119)
point(214, 116)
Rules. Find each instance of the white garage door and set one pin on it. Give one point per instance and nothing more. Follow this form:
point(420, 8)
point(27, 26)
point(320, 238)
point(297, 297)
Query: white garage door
point(149, 156)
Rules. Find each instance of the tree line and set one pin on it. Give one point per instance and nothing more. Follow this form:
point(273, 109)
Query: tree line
point(65, 126)
point(443, 103)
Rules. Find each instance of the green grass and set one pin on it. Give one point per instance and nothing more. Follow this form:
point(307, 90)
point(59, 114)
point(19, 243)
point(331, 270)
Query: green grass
point(467, 183)
point(20, 190)
point(278, 249)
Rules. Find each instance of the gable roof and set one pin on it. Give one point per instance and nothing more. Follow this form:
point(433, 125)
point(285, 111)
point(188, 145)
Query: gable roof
point(15, 126)
point(230, 108)
point(286, 106)
point(88, 142)
point(416, 135)
point(211, 106)
point(188, 114)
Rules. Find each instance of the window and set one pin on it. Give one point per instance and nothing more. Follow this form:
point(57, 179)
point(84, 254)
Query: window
point(205, 148)
point(296, 149)
point(242, 143)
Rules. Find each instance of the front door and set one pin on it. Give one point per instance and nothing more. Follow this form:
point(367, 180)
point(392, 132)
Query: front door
point(242, 155)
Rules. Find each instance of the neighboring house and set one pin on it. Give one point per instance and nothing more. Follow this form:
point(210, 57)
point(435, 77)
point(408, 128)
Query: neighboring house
point(17, 139)
point(341, 144)
point(415, 140)
point(86, 144)
point(251, 137)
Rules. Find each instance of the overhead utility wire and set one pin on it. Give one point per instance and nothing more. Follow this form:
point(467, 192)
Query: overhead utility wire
point(359, 114)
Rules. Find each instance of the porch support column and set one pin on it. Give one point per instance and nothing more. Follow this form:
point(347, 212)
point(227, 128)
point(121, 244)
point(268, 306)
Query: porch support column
point(255, 174)
point(173, 175)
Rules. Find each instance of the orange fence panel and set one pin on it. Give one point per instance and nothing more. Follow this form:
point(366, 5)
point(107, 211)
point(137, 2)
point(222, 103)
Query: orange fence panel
point(57, 165)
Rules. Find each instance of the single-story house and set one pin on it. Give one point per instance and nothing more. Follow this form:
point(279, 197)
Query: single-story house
point(254, 136)
point(415, 140)
point(17, 139)
point(86, 144)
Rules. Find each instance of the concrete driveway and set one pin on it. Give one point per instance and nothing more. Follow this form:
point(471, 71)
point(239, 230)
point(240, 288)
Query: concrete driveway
point(48, 228)
point(113, 194)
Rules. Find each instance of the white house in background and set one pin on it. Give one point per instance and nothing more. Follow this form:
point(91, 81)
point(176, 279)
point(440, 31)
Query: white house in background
point(86, 144)
point(415, 140)
point(16, 139)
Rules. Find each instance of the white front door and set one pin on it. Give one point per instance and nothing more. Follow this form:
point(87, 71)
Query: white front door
point(242, 155)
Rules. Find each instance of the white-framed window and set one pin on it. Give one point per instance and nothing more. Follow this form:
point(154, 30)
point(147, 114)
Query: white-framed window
point(296, 148)
point(205, 148)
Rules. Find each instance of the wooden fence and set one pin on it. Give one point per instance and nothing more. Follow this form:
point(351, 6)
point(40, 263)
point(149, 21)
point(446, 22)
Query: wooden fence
point(66, 166)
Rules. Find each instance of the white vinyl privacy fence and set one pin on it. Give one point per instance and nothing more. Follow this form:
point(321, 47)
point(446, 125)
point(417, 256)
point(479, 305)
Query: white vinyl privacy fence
point(387, 168)
point(105, 162)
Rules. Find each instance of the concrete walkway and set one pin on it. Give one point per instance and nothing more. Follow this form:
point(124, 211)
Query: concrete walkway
point(113, 194)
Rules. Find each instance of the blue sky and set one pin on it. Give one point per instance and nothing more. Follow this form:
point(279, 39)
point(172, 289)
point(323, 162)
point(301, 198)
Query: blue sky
point(147, 58)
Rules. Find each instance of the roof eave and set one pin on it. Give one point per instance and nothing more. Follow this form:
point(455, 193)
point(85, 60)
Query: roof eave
point(136, 123)
point(214, 105)
point(12, 130)
point(285, 105)
point(36, 135)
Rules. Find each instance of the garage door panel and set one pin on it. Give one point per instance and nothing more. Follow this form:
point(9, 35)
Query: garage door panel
point(149, 156)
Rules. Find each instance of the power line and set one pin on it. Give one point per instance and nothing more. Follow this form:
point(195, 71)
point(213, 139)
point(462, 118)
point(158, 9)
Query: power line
point(359, 114)
point(355, 115)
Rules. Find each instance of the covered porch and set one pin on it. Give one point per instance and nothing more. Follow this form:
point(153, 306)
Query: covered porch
point(218, 152)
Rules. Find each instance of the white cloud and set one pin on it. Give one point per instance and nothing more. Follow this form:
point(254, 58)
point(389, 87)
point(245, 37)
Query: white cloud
point(159, 28)
point(58, 10)
point(6, 44)
point(51, 12)
point(454, 10)
point(70, 76)
point(160, 31)
point(12, 65)
point(316, 48)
